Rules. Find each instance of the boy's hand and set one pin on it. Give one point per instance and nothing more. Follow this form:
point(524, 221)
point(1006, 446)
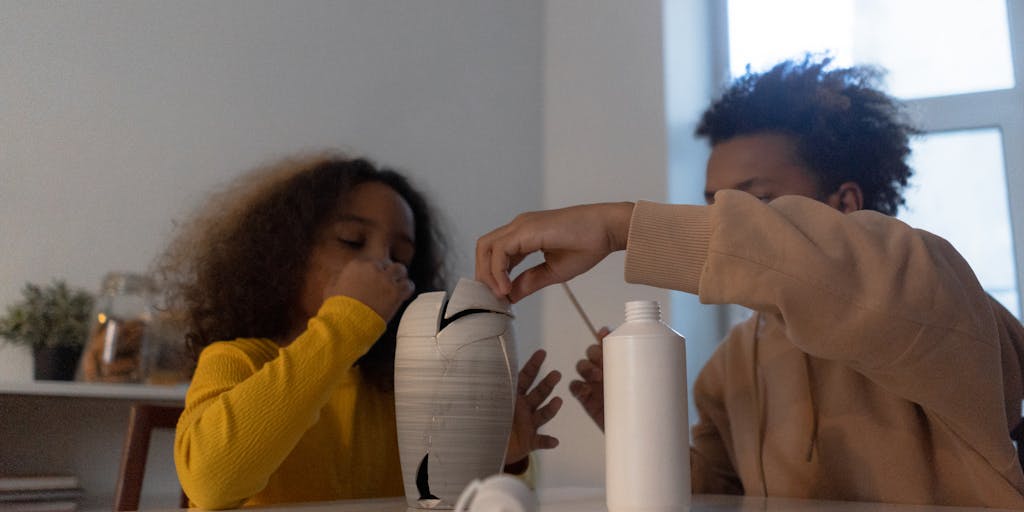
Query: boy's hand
point(529, 415)
point(381, 285)
point(590, 390)
point(572, 240)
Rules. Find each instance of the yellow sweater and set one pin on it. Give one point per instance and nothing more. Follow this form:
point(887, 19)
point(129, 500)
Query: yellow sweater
point(265, 424)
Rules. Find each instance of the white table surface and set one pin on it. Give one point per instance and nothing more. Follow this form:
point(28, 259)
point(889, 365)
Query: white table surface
point(592, 500)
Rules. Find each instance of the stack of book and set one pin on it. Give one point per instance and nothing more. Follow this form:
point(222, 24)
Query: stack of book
point(42, 493)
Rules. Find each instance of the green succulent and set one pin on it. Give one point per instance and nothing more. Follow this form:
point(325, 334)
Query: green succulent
point(53, 315)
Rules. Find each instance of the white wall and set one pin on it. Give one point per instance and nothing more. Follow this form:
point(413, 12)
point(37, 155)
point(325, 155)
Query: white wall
point(117, 116)
point(605, 141)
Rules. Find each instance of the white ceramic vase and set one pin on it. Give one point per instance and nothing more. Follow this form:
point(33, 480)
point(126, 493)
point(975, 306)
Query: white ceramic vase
point(455, 381)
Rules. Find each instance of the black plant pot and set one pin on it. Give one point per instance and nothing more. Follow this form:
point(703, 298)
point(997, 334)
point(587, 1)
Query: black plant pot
point(56, 363)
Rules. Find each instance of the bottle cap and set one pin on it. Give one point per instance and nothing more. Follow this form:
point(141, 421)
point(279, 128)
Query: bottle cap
point(637, 310)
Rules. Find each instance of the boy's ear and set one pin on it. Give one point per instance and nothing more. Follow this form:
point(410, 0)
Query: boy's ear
point(847, 198)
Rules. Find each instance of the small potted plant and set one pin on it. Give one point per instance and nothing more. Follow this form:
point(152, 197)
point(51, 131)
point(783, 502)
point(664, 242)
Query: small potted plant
point(53, 320)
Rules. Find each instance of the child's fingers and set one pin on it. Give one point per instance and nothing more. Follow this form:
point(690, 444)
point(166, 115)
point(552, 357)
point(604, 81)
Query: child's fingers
point(543, 390)
point(530, 370)
point(397, 271)
point(545, 442)
point(544, 414)
point(579, 389)
point(596, 355)
point(589, 395)
point(589, 371)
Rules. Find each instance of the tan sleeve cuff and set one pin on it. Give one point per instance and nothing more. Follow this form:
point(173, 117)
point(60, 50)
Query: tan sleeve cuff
point(668, 245)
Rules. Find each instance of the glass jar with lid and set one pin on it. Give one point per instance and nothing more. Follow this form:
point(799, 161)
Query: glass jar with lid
point(124, 311)
point(166, 359)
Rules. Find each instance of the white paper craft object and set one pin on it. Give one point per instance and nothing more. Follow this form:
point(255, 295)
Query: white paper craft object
point(455, 381)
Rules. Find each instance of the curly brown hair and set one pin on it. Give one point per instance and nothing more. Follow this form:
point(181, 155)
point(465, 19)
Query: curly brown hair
point(846, 128)
point(236, 268)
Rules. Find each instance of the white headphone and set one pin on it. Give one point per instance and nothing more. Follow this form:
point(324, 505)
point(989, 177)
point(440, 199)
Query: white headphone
point(497, 493)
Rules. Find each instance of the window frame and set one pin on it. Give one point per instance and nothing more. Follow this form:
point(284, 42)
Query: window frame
point(1001, 109)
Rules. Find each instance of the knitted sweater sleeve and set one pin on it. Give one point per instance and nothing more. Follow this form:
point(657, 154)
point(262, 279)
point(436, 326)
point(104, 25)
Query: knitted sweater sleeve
point(897, 304)
point(250, 402)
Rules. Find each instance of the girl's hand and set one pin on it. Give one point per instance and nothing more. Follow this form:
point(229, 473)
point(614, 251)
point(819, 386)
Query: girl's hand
point(381, 285)
point(529, 415)
point(590, 390)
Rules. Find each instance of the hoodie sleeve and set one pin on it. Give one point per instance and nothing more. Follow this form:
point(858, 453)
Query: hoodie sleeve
point(249, 402)
point(898, 305)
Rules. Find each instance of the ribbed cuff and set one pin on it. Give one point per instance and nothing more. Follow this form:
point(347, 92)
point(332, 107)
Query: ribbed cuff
point(668, 245)
point(350, 319)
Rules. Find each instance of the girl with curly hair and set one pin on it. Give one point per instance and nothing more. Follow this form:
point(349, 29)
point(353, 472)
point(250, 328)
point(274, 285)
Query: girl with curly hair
point(292, 281)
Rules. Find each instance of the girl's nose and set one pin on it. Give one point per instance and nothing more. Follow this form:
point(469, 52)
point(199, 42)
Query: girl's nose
point(378, 252)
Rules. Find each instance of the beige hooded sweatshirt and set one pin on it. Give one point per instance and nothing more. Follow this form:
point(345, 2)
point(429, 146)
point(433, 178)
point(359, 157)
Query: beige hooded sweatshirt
point(875, 368)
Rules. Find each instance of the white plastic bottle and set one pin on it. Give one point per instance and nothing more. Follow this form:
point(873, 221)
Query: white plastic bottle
point(647, 442)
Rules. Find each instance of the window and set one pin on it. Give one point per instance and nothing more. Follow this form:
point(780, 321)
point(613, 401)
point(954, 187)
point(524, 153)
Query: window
point(979, 225)
point(954, 64)
point(931, 48)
